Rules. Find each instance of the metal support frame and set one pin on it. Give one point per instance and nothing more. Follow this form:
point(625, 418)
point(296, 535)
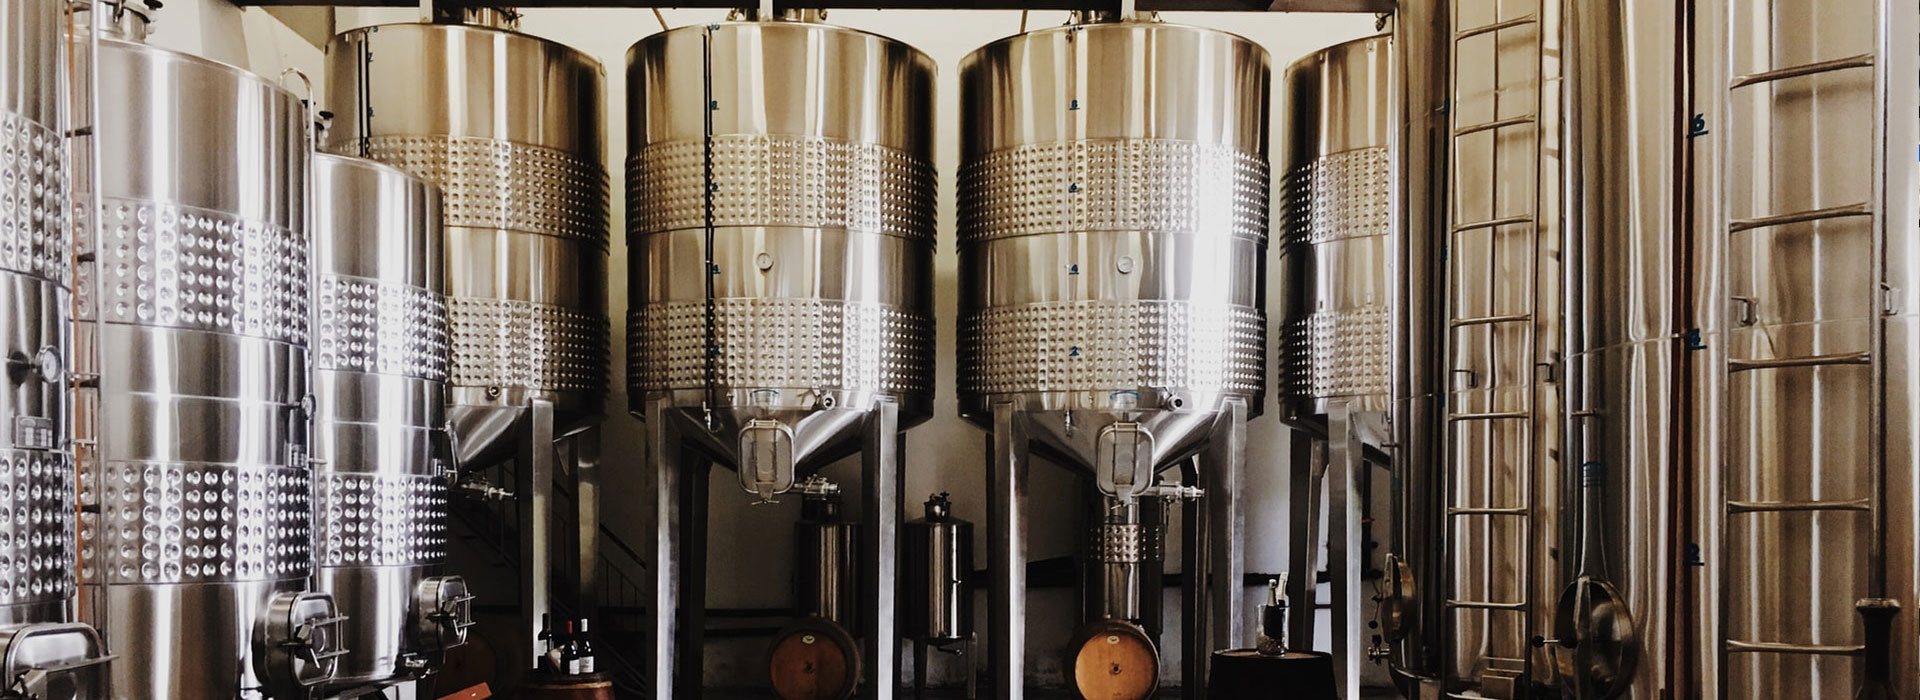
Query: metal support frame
point(1223, 474)
point(883, 485)
point(679, 501)
point(586, 485)
point(1308, 479)
point(679, 550)
point(1007, 551)
point(1346, 462)
point(1328, 503)
point(534, 454)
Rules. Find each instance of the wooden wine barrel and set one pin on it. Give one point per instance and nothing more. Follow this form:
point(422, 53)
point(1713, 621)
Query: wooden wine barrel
point(1115, 660)
point(813, 659)
point(544, 686)
point(1245, 674)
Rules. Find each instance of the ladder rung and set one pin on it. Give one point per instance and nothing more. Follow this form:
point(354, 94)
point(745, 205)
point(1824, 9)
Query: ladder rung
point(1487, 511)
point(1489, 320)
point(1859, 504)
point(1864, 60)
point(1490, 126)
point(1801, 217)
point(1505, 415)
point(1852, 358)
point(1735, 646)
point(1496, 223)
point(1491, 28)
point(1485, 605)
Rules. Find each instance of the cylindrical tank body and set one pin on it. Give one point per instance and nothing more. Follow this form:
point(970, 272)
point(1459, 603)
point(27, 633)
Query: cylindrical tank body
point(780, 232)
point(1501, 473)
point(1627, 305)
point(1336, 256)
point(939, 559)
point(826, 571)
point(1113, 230)
point(380, 371)
point(36, 458)
point(1806, 189)
point(509, 127)
point(195, 509)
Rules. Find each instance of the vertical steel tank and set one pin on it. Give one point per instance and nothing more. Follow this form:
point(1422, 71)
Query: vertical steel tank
point(1335, 257)
point(381, 463)
point(1808, 212)
point(1337, 265)
point(196, 528)
point(781, 236)
point(780, 240)
point(511, 131)
point(1113, 230)
point(1501, 471)
point(37, 485)
point(1113, 234)
point(36, 281)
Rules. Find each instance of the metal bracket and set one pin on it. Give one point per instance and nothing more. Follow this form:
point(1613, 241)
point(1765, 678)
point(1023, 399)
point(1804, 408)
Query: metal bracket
point(766, 459)
point(1123, 461)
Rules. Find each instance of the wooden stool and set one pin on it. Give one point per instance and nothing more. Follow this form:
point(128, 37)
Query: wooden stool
point(1249, 675)
point(544, 686)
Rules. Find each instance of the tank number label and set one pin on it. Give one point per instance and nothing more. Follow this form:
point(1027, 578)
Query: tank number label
point(33, 433)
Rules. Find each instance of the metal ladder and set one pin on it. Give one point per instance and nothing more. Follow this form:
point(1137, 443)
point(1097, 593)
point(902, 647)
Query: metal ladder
point(1737, 87)
point(1526, 415)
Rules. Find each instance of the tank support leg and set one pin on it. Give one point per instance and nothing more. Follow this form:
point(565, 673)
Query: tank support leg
point(1007, 551)
point(586, 489)
point(884, 491)
point(1223, 473)
point(679, 552)
point(1308, 477)
point(534, 463)
point(1193, 590)
point(1345, 554)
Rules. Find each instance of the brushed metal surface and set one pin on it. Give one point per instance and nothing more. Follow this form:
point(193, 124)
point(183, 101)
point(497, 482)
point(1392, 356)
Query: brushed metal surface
point(807, 148)
point(1625, 301)
point(1113, 230)
point(1500, 443)
point(509, 127)
point(1335, 256)
point(36, 456)
point(198, 499)
point(1814, 113)
point(380, 348)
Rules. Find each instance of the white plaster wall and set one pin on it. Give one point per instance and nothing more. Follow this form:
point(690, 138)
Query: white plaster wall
point(750, 544)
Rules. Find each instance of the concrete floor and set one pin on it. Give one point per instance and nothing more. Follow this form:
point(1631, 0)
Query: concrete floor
point(1032, 693)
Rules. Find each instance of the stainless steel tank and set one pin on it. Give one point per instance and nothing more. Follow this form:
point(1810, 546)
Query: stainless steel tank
point(1335, 257)
point(1113, 234)
point(1113, 230)
point(781, 237)
point(36, 284)
point(196, 527)
point(380, 448)
point(1502, 474)
point(41, 650)
point(1337, 266)
point(1804, 238)
point(509, 126)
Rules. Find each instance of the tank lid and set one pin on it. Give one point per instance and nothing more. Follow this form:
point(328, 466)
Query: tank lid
point(490, 17)
point(939, 507)
point(761, 14)
point(1106, 16)
point(127, 20)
